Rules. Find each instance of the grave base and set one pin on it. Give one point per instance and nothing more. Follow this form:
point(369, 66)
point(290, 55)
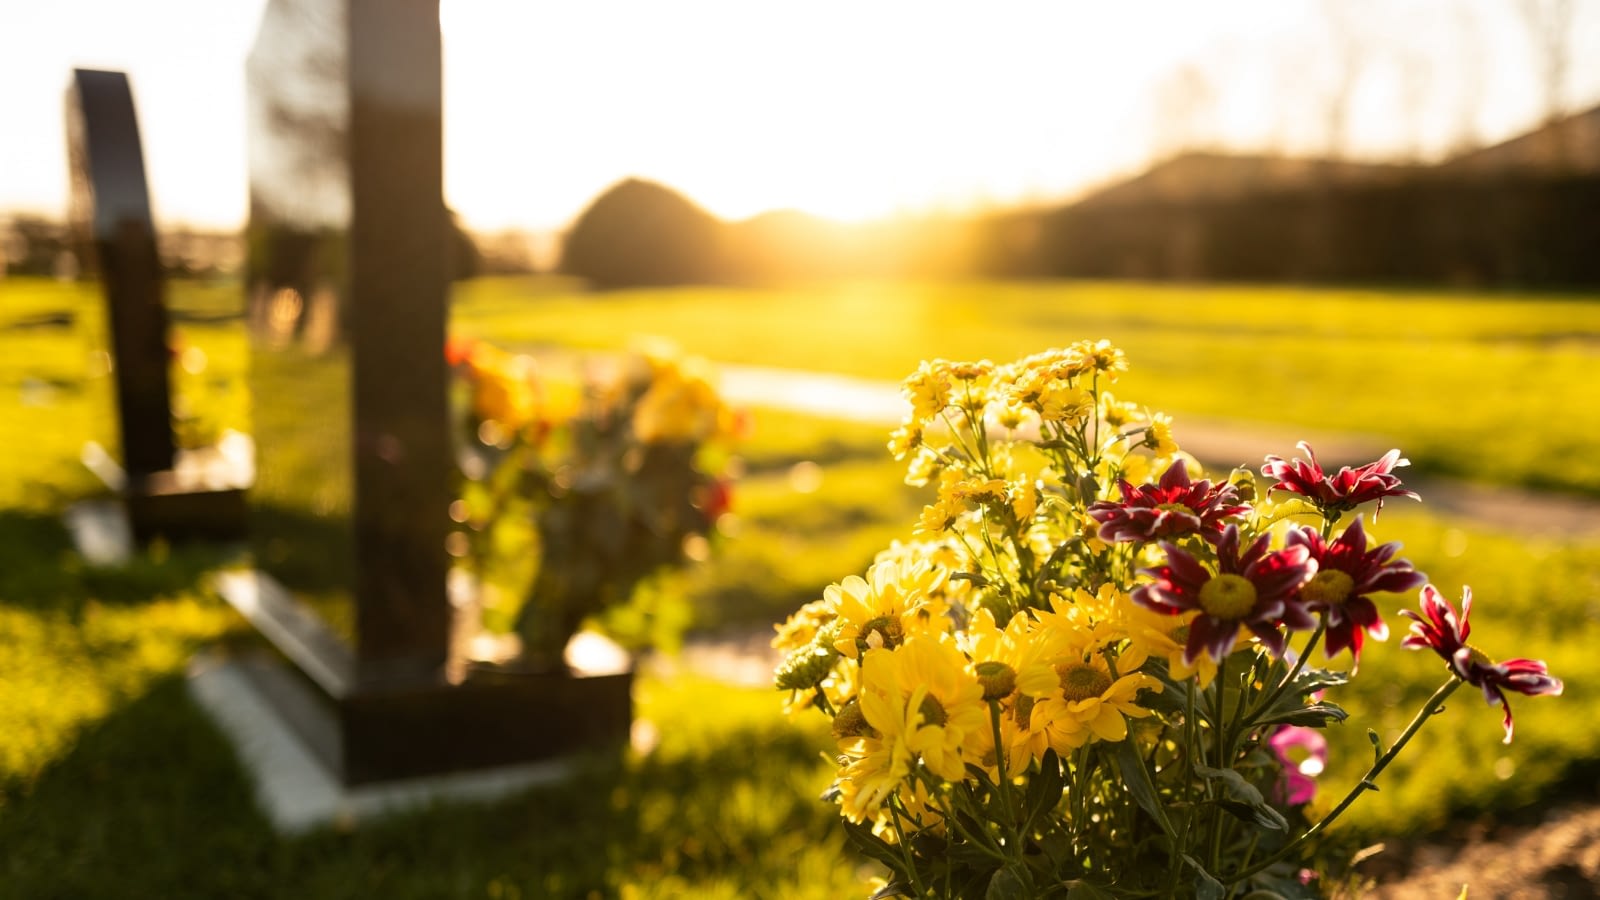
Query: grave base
point(365, 728)
point(298, 793)
point(201, 498)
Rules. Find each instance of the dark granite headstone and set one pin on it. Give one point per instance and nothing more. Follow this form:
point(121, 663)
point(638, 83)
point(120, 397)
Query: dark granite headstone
point(111, 197)
point(347, 295)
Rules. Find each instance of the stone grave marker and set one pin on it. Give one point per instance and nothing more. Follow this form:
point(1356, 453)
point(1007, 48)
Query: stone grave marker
point(166, 491)
point(346, 304)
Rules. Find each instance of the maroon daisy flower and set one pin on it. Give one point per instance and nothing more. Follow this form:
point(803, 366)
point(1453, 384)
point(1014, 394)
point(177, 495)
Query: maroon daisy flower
point(1170, 508)
point(1438, 628)
point(1254, 589)
point(1338, 493)
point(1346, 573)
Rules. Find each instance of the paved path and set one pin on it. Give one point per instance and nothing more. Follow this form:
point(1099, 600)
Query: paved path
point(1217, 443)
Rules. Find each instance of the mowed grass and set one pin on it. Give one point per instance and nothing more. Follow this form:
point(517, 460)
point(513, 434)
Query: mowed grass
point(1488, 387)
point(104, 763)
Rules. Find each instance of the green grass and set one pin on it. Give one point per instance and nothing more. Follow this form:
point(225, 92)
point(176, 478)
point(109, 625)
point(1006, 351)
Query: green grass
point(1397, 365)
point(112, 783)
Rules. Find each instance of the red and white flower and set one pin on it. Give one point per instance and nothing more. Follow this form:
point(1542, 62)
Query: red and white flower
point(1438, 629)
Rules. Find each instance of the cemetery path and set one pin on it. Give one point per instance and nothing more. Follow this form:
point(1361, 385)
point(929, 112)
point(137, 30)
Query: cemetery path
point(1217, 443)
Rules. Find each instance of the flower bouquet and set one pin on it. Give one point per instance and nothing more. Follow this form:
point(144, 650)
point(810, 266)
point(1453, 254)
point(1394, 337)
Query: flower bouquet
point(607, 480)
point(1083, 678)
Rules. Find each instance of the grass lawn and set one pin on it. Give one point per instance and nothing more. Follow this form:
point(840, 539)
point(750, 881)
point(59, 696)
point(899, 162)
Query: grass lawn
point(1489, 387)
point(112, 784)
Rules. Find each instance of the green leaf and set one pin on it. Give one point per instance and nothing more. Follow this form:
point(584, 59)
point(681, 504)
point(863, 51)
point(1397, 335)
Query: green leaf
point(1009, 883)
point(1206, 887)
point(1317, 715)
point(1262, 815)
point(976, 579)
point(1131, 766)
point(1377, 746)
point(1044, 789)
point(1310, 680)
point(1243, 800)
point(862, 838)
point(1087, 890)
point(892, 889)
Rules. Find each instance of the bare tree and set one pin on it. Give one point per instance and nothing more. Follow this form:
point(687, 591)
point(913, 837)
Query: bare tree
point(1548, 22)
point(1348, 59)
point(1469, 47)
point(1184, 110)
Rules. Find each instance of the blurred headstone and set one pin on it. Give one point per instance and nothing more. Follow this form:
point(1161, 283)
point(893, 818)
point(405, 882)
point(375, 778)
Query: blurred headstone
point(347, 283)
point(167, 492)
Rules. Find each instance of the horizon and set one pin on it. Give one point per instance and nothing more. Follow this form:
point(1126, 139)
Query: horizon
point(844, 112)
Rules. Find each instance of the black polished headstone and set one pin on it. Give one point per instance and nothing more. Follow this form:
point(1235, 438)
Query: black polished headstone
point(347, 283)
point(112, 202)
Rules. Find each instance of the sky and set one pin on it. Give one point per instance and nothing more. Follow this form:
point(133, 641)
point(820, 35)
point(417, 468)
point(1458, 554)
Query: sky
point(849, 109)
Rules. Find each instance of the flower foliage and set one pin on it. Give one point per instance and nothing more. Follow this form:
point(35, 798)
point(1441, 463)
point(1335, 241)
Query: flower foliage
point(616, 475)
point(1076, 679)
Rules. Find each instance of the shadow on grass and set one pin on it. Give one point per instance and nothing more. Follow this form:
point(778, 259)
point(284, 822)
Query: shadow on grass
point(150, 803)
point(41, 571)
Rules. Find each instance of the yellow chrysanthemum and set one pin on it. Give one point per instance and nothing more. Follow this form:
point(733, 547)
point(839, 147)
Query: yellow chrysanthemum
point(928, 389)
point(1013, 646)
point(948, 506)
point(872, 772)
point(1100, 357)
point(978, 490)
point(1117, 413)
point(905, 439)
point(924, 465)
point(919, 813)
point(941, 590)
point(926, 681)
point(680, 404)
point(1089, 705)
point(1009, 414)
point(1158, 436)
point(1062, 402)
point(505, 387)
point(1082, 623)
point(882, 609)
point(1012, 668)
point(799, 629)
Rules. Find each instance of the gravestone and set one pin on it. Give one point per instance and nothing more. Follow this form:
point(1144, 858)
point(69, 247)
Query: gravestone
point(347, 283)
point(166, 491)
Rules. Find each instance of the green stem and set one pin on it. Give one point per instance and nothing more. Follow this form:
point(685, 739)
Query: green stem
point(1000, 767)
point(905, 849)
point(978, 839)
point(1191, 740)
point(1219, 763)
point(1433, 707)
point(1294, 672)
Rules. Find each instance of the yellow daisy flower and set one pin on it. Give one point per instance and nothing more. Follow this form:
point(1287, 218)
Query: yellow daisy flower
point(928, 389)
point(1089, 705)
point(881, 609)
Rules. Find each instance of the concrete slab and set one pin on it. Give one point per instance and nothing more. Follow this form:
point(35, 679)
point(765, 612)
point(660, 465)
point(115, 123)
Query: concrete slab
point(298, 794)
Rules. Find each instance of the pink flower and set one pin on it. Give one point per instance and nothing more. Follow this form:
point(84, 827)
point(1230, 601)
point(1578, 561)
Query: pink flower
point(1346, 573)
point(1345, 491)
point(1173, 507)
point(1254, 589)
point(1438, 628)
point(1298, 784)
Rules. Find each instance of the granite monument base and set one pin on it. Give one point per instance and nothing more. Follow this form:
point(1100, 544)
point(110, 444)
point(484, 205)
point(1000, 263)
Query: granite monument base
point(371, 731)
point(296, 790)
